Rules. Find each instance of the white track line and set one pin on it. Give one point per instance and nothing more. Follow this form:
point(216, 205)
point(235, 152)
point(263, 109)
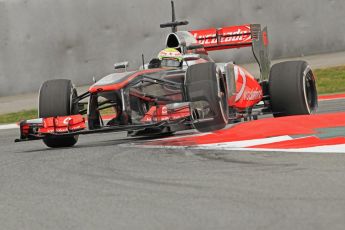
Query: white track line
point(241, 146)
point(245, 143)
point(222, 146)
point(318, 149)
point(9, 126)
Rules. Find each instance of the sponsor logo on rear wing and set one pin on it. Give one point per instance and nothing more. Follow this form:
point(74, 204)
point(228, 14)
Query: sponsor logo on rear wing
point(226, 37)
point(249, 35)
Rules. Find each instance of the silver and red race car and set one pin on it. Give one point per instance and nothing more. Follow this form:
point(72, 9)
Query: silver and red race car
point(160, 100)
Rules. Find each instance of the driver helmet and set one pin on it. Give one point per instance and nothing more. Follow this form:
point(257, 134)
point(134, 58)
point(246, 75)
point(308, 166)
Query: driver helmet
point(170, 57)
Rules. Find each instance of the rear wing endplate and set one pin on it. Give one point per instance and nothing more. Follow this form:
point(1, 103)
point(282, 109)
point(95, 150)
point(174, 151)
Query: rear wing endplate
point(249, 35)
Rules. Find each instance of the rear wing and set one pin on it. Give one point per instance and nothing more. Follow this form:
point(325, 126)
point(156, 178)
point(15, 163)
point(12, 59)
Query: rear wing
point(249, 35)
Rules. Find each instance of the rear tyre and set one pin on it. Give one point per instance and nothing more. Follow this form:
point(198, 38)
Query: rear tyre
point(207, 92)
point(56, 99)
point(292, 89)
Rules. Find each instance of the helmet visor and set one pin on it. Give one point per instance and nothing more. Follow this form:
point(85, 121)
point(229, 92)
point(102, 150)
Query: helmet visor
point(170, 62)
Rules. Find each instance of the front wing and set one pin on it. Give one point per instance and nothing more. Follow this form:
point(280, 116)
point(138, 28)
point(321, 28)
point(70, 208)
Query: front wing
point(37, 129)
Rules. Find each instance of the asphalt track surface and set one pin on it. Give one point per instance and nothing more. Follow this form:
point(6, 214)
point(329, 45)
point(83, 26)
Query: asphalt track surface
point(102, 183)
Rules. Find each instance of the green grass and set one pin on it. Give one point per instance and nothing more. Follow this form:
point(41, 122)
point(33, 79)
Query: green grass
point(10, 118)
point(16, 117)
point(329, 80)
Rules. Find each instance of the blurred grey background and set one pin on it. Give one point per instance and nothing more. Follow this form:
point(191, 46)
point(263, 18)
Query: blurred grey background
point(79, 39)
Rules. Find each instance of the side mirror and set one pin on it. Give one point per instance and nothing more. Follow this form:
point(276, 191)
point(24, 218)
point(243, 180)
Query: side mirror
point(121, 65)
point(191, 57)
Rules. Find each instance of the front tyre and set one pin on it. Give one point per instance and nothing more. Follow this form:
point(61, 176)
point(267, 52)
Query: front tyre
point(292, 89)
point(207, 93)
point(56, 99)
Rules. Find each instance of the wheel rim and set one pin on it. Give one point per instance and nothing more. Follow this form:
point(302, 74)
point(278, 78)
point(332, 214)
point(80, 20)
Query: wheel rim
point(223, 98)
point(310, 92)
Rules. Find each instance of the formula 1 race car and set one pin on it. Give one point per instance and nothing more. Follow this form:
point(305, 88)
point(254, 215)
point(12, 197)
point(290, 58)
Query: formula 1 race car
point(159, 99)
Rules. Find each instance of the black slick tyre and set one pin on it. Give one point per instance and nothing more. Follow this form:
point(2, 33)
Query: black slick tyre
point(55, 99)
point(292, 89)
point(205, 84)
